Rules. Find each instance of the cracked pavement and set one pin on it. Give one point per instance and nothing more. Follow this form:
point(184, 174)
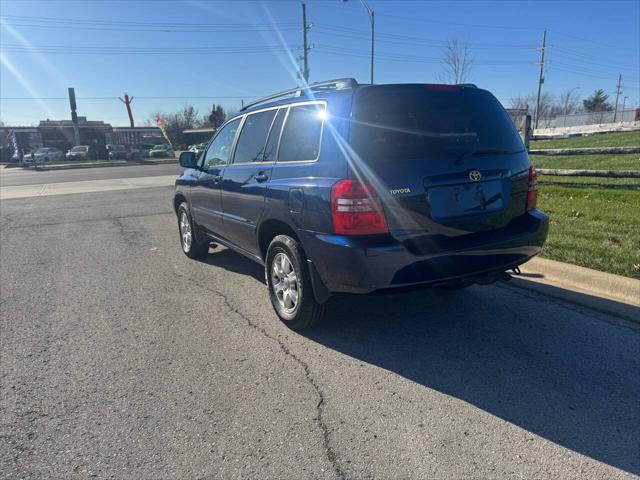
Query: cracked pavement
point(122, 358)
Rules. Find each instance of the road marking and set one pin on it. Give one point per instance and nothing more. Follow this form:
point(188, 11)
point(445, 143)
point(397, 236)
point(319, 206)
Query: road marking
point(84, 186)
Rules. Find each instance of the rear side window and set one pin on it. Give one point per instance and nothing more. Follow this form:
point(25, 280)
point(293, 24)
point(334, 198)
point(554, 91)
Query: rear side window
point(272, 144)
point(301, 135)
point(253, 137)
point(411, 122)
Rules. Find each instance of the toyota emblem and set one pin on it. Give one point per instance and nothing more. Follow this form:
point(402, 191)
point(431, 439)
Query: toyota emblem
point(475, 175)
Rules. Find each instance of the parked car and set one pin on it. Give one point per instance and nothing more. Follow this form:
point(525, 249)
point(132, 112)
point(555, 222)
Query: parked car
point(119, 152)
point(348, 188)
point(82, 152)
point(198, 149)
point(161, 151)
point(144, 150)
point(46, 154)
point(7, 156)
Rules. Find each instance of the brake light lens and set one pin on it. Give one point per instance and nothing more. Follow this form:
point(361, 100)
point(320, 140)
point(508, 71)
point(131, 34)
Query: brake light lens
point(532, 193)
point(356, 209)
point(441, 87)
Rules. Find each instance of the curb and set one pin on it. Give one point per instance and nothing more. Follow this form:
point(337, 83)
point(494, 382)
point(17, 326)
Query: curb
point(561, 172)
point(584, 151)
point(601, 291)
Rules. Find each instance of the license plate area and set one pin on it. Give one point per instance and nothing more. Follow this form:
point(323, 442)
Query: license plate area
point(468, 199)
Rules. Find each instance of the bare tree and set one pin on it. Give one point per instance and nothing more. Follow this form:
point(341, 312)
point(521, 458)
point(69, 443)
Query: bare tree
point(176, 123)
point(569, 101)
point(548, 106)
point(457, 62)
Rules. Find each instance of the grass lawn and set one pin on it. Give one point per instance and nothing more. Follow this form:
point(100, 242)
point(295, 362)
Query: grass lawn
point(629, 161)
point(594, 222)
point(621, 139)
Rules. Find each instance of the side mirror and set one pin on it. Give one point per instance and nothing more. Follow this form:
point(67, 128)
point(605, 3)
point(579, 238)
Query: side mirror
point(188, 160)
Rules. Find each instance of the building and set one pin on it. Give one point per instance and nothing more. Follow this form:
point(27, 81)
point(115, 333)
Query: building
point(193, 136)
point(27, 138)
point(135, 136)
point(60, 134)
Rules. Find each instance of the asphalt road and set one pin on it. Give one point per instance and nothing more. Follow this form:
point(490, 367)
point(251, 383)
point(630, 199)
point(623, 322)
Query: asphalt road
point(18, 176)
point(122, 358)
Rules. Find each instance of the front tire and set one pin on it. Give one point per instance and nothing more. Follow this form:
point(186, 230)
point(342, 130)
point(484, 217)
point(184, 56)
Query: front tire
point(188, 238)
point(289, 284)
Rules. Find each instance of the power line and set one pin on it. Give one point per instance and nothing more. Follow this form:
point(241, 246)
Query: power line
point(335, 50)
point(591, 57)
point(137, 98)
point(135, 23)
point(392, 36)
point(122, 26)
point(582, 70)
point(438, 21)
point(102, 50)
point(583, 39)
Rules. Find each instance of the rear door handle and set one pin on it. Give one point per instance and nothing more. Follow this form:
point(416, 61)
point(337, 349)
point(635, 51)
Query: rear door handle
point(261, 177)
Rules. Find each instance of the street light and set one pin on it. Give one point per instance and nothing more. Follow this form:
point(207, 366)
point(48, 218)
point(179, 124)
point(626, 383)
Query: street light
point(372, 20)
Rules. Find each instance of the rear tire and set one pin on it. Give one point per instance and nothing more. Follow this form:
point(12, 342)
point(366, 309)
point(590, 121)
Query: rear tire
point(289, 284)
point(188, 236)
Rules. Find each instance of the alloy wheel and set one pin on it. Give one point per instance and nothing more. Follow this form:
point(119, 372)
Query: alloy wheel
point(284, 282)
point(185, 232)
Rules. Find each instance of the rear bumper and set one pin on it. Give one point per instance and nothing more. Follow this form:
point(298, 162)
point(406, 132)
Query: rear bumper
point(361, 265)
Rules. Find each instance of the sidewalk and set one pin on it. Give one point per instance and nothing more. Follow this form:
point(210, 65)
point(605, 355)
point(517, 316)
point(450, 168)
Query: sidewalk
point(598, 290)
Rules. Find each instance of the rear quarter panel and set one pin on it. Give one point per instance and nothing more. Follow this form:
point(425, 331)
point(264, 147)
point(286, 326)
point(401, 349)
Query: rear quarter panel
point(299, 193)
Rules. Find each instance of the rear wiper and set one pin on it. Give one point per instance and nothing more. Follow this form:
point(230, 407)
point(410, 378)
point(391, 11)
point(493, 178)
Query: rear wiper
point(480, 151)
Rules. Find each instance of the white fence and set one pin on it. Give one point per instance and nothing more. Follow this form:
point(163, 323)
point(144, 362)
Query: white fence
point(591, 118)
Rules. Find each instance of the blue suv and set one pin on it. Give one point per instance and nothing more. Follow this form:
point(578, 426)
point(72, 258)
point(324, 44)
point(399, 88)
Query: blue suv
point(339, 187)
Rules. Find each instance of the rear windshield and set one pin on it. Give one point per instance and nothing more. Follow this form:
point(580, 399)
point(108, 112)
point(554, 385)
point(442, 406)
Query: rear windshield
point(411, 122)
point(79, 149)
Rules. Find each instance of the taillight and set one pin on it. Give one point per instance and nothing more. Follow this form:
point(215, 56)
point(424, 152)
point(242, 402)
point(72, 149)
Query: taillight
point(532, 192)
point(356, 209)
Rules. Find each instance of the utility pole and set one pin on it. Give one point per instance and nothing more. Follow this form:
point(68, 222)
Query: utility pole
point(615, 112)
point(305, 28)
point(624, 102)
point(541, 78)
point(127, 101)
point(74, 115)
point(373, 25)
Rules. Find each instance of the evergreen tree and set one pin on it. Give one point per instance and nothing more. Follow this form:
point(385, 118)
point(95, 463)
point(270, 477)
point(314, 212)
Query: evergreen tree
point(597, 102)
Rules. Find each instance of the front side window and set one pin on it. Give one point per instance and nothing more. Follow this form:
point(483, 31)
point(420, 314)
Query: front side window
point(301, 135)
point(253, 137)
point(220, 149)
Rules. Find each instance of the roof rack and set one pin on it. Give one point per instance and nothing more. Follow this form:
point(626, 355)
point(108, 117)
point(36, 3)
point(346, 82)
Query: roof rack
point(337, 84)
point(468, 85)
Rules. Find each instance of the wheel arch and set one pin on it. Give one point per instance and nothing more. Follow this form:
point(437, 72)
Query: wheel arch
point(178, 199)
point(271, 228)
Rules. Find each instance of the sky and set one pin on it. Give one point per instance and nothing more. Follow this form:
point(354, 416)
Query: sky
point(167, 54)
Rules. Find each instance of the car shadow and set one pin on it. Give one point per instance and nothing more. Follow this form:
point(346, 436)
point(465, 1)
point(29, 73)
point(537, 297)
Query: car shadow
point(536, 366)
point(234, 262)
point(561, 372)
